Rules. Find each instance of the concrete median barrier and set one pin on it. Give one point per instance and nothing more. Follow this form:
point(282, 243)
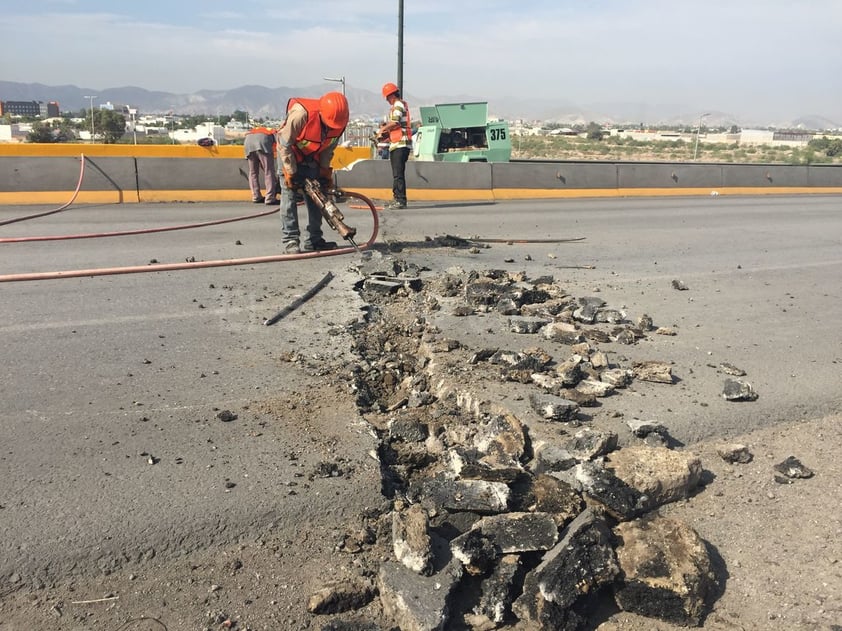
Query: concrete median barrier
point(424, 180)
point(50, 174)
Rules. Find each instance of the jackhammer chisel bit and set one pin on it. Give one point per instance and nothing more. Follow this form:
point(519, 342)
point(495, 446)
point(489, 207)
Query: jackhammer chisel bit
point(331, 213)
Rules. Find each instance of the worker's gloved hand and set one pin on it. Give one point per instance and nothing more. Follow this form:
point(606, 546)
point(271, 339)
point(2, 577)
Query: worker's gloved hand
point(293, 181)
point(326, 178)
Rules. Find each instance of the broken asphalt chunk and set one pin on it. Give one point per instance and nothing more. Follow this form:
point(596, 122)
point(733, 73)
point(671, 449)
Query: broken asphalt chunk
point(491, 537)
point(666, 570)
point(654, 371)
point(497, 593)
point(658, 474)
point(552, 408)
point(572, 571)
point(734, 453)
point(384, 286)
point(619, 499)
point(414, 602)
point(791, 469)
point(411, 539)
point(738, 390)
point(478, 496)
point(526, 325)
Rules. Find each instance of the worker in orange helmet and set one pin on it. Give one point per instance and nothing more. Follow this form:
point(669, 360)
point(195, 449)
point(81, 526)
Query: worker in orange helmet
point(306, 142)
point(398, 131)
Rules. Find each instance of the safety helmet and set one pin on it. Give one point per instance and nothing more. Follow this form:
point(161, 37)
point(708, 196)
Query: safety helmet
point(333, 108)
point(389, 88)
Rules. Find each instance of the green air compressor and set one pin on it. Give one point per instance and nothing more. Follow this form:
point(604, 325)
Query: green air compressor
point(461, 132)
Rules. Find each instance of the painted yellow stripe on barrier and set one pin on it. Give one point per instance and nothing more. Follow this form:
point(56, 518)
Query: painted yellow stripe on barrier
point(553, 193)
point(343, 156)
point(120, 151)
point(429, 194)
point(441, 195)
point(59, 198)
point(225, 195)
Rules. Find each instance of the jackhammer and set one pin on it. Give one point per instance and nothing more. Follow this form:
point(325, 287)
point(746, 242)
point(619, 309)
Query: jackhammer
point(331, 213)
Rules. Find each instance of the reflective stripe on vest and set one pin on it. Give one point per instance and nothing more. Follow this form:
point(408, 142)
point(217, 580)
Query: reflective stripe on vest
point(396, 134)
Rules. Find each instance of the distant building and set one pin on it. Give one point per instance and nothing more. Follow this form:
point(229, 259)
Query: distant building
point(13, 133)
point(122, 109)
point(236, 130)
point(203, 130)
point(774, 138)
point(29, 108)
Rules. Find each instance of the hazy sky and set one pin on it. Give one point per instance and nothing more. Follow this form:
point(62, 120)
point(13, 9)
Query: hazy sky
point(759, 58)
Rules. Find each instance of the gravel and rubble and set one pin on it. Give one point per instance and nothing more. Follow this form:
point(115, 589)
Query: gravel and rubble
point(530, 519)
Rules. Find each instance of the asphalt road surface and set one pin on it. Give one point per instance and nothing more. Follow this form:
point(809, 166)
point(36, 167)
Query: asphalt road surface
point(112, 447)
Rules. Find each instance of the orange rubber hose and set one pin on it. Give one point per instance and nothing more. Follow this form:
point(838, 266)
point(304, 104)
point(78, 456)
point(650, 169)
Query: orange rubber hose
point(60, 208)
point(167, 267)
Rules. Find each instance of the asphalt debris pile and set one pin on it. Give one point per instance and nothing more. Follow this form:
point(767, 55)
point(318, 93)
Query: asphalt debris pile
point(496, 522)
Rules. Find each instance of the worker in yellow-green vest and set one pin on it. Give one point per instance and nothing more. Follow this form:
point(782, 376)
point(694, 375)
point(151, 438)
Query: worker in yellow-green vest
point(399, 133)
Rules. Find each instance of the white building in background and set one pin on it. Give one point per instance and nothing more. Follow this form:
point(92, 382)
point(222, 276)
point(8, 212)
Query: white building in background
point(203, 130)
point(775, 138)
point(13, 133)
point(236, 130)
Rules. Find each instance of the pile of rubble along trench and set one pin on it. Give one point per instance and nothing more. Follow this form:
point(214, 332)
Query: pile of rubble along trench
point(494, 524)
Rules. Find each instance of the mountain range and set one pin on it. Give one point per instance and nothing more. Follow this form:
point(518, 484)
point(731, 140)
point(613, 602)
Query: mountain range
point(269, 103)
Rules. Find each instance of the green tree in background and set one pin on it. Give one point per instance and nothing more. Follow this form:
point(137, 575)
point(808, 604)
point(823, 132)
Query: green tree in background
point(61, 131)
point(109, 125)
point(40, 133)
point(830, 147)
point(594, 131)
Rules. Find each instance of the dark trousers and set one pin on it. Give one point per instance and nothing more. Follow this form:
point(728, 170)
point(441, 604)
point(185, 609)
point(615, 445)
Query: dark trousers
point(398, 158)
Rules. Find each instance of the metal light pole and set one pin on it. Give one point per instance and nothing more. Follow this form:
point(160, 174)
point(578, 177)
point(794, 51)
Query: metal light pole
point(133, 113)
point(698, 131)
point(342, 81)
point(337, 80)
point(400, 46)
point(92, 115)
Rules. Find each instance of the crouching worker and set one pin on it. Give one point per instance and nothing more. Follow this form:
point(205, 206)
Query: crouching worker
point(306, 143)
point(259, 147)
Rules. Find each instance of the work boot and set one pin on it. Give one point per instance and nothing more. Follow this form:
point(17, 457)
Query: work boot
point(319, 246)
point(257, 200)
point(394, 205)
point(291, 247)
point(273, 202)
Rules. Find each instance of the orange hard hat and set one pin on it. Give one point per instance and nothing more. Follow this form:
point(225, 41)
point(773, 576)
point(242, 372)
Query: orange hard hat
point(389, 88)
point(333, 108)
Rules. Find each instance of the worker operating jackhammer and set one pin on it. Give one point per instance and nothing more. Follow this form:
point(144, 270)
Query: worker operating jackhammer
point(306, 142)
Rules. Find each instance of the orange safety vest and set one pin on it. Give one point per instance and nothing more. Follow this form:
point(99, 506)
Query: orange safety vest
point(397, 133)
point(261, 130)
point(314, 138)
point(267, 131)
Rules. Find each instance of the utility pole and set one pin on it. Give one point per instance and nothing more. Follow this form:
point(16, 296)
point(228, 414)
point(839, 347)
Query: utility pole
point(133, 113)
point(337, 80)
point(92, 116)
point(698, 131)
point(342, 81)
point(400, 46)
